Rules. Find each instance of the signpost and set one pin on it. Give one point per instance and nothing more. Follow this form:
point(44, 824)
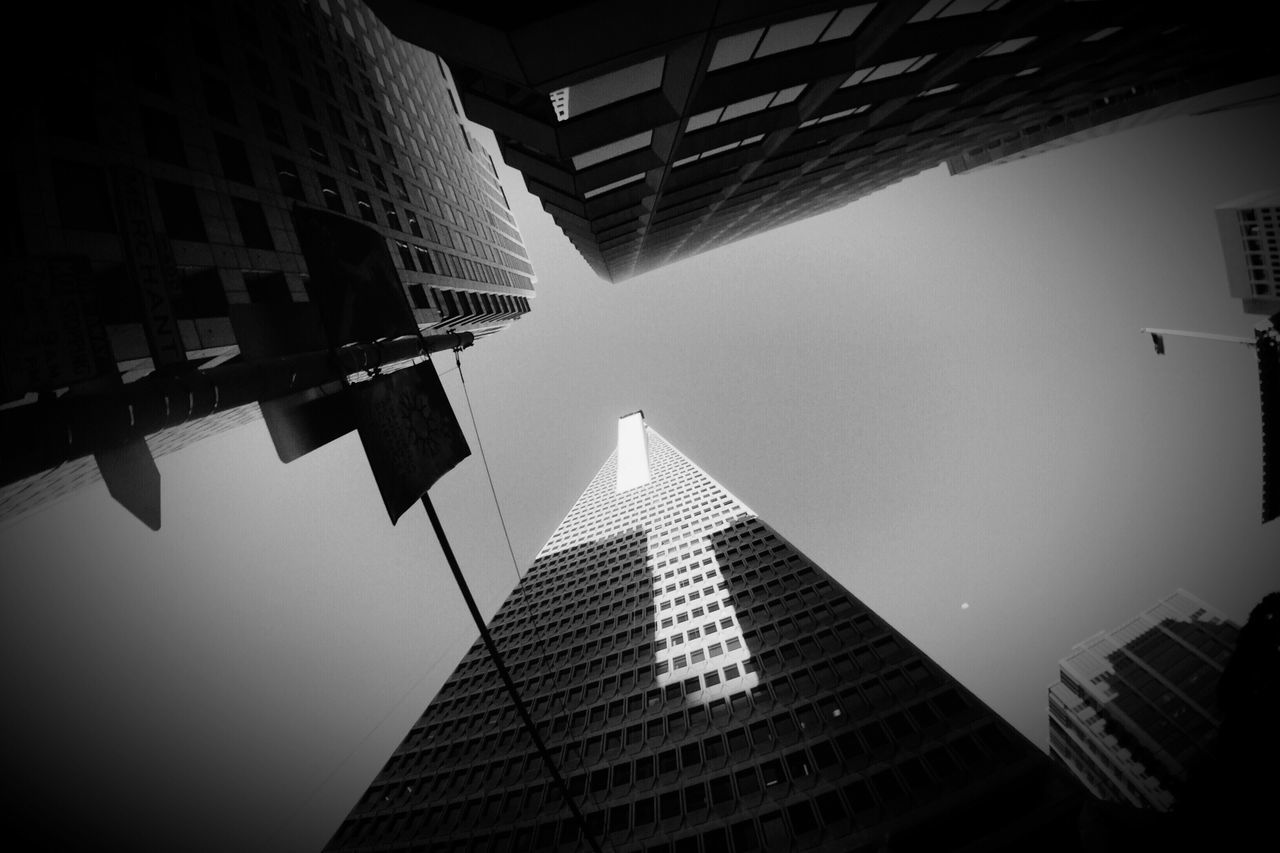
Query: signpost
point(409, 432)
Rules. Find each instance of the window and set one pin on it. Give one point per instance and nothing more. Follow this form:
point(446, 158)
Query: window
point(267, 288)
point(315, 145)
point(83, 199)
point(329, 189)
point(614, 186)
point(1007, 46)
point(218, 101)
point(406, 256)
point(364, 205)
point(350, 162)
point(951, 8)
point(235, 160)
point(162, 136)
point(273, 125)
point(202, 295)
point(424, 260)
point(253, 224)
point(613, 149)
point(180, 212)
point(1102, 33)
point(287, 173)
point(606, 89)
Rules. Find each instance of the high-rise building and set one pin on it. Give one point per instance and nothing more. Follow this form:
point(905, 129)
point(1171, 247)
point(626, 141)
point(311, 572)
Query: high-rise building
point(655, 131)
point(1134, 711)
point(1140, 105)
point(1249, 229)
point(152, 168)
point(703, 686)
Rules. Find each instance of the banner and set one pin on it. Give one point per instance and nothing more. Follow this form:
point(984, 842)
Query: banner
point(352, 279)
point(409, 432)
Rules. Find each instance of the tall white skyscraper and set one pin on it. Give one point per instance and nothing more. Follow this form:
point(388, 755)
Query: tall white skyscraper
point(702, 687)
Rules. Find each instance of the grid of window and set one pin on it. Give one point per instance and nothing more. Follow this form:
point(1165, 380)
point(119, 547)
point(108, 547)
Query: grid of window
point(697, 680)
point(230, 114)
point(764, 134)
point(358, 128)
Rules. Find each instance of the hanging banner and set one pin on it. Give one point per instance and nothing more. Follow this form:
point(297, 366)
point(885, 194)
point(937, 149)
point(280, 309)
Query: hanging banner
point(351, 278)
point(409, 432)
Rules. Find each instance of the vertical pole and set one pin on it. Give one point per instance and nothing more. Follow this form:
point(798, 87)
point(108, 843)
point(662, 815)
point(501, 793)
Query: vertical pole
point(506, 676)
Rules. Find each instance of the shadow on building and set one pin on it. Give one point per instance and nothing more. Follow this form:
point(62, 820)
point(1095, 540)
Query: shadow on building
point(1211, 739)
point(857, 738)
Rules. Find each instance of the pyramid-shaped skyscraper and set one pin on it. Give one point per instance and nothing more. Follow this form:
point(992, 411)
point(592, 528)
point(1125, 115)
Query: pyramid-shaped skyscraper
point(703, 686)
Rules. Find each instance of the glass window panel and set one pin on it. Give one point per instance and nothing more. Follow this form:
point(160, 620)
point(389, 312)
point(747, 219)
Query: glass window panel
point(786, 96)
point(793, 34)
point(847, 22)
point(751, 105)
point(732, 50)
point(612, 87)
point(613, 149)
point(1007, 46)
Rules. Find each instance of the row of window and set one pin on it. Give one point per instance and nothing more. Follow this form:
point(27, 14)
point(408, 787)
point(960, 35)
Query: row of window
point(789, 610)
point(599, 766)
point(835, 694)
point(810, 787)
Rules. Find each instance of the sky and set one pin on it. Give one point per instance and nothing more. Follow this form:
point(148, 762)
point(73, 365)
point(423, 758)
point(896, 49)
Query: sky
point(938, 393)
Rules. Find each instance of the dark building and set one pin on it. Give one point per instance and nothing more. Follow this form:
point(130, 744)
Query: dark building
point(1135, 711)
point(655, 131)
point(702, 686)
point(150, 173)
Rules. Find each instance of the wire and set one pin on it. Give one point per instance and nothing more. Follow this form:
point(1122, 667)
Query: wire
point(457, 355)
point(563, 703)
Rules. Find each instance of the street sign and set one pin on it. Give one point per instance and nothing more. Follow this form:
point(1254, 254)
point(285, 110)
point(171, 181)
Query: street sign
point(409, 432)
point(133, 479)
point(352, 279)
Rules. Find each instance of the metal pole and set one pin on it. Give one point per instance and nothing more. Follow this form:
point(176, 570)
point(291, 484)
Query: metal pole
point(1206, 335)
point(506, 676)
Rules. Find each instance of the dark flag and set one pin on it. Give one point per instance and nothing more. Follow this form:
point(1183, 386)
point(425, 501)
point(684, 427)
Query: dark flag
point(352, 279)
point(1158, 340)
point(409, 432)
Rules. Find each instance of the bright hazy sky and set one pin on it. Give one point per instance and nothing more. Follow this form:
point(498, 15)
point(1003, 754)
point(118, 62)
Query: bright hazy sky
point(938, 393)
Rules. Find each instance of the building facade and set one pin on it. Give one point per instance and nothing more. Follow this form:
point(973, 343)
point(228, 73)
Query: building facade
point(656, 131)
point(1249, 230)
point(702, 686)
point(1120, 111)
point(153, 169)
point(1134, 711)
